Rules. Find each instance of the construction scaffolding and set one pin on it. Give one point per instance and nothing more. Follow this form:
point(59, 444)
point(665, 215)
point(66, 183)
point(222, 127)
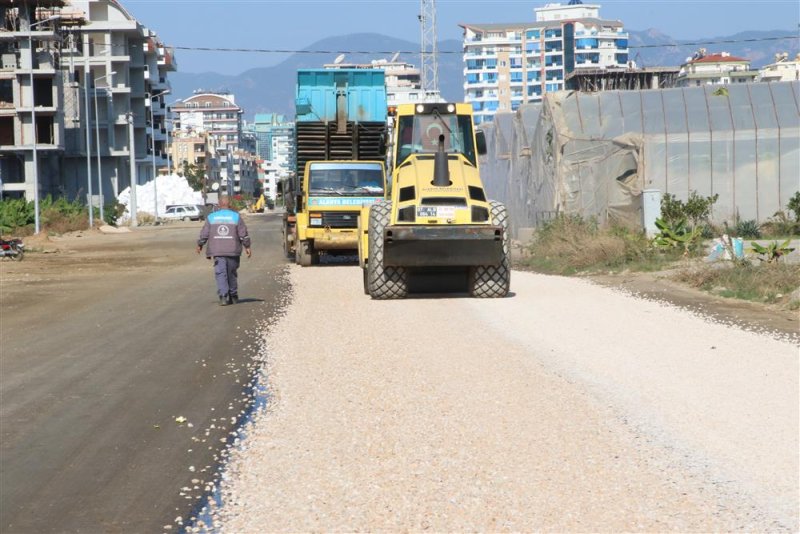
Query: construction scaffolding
point(593, 154)
point(611, 78)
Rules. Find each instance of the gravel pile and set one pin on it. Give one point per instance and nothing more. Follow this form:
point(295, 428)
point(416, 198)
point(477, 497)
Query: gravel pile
point(566, 407)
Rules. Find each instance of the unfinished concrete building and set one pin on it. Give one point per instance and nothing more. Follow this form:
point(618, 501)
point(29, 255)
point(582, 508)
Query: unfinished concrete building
point(87, 55)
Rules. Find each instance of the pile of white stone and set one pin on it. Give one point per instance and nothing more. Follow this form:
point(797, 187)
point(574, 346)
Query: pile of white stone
point(170, 190)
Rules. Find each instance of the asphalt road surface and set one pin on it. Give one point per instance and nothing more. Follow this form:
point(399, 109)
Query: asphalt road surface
point(104, 345)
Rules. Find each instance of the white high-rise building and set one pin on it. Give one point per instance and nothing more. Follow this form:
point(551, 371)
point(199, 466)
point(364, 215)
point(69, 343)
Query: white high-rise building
point(506, 65)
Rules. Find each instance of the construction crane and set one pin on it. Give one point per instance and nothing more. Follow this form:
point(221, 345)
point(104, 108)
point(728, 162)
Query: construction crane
point(429, 51)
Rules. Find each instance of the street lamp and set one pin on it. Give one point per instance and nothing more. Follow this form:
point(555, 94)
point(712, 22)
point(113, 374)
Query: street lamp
point(97, 132)
point(33, 126)
point(170, 125)
point(153, 145)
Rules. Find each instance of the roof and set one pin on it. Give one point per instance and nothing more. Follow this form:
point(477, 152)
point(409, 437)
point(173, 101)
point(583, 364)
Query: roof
point(540, 24)
point(719, 58)
point(215, 99)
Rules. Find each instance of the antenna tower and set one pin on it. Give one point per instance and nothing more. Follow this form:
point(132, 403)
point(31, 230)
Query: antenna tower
point(429, 51)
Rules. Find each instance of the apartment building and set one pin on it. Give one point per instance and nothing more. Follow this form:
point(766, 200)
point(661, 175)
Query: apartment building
point(31, 98)
point(506, 65)
point(403, 83)
point(96, 68)
point(782, 70)
point(270, 175)
point(716, 68)
point(215, 113)
point(274, 141)
point(283, 151)
point(263, 128)
point(241, 175)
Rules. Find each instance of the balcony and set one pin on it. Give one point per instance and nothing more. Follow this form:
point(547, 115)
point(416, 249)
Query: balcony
point(493, 40)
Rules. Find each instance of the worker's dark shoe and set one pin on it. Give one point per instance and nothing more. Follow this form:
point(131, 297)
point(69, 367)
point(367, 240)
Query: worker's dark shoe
point(223, 301)
point(234, 298)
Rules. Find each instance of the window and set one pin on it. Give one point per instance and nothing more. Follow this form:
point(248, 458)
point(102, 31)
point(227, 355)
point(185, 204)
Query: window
point(553, 46)
point(535, 90)
point(420, 133)
point(7, 92)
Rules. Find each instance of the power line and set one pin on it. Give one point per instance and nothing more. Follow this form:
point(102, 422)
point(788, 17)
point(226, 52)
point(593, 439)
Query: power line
point(414, 52)
point(440, 52)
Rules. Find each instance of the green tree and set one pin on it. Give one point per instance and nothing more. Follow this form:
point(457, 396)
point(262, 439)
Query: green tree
point(195, 175)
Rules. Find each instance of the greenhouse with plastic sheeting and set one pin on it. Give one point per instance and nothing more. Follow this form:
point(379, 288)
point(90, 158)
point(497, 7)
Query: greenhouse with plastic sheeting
point(594, 154)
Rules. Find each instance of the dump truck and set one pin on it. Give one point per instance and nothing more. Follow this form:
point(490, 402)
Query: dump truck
point(437, 216)
point(340, 138)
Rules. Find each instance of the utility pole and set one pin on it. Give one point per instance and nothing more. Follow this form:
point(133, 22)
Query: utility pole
point(429, 51)
point(134, 178)
point(86, 76)
point(35, 161)
point(97, 130)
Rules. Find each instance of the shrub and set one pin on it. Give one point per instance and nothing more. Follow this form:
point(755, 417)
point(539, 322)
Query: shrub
point(112, 211)
point(763, 283)
point(772, 252)
point(748, 229)
point(15, 213)
point(794, 205)
point(143, 217)
point(780, 225)
point(696, 209)
point(677, 235)
point(570, 244)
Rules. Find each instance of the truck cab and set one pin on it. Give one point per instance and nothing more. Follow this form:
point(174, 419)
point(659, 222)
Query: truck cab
point(335, 193)
point(340, 139)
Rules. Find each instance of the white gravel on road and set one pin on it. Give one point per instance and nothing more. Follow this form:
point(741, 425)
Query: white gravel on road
point(566, 407)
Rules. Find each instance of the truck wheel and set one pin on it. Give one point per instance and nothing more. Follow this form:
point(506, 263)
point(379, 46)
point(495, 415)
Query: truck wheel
point(493, 281)
point(366, 280)
point(383, 282)
point(305, 256)
point(286, 248)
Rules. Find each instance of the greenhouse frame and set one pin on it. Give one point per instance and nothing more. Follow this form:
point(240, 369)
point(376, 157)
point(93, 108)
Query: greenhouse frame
point(593, 154)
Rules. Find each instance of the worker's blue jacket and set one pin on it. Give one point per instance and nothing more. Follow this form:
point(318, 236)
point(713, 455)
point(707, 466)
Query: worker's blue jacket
point(225, 233)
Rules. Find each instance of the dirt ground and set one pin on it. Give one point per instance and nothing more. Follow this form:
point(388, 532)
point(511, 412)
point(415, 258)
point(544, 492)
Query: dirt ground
point(658, 286)
point(752, 316)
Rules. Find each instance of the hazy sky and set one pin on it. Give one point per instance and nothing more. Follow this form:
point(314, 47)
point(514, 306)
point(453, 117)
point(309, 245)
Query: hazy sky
point(295, 24)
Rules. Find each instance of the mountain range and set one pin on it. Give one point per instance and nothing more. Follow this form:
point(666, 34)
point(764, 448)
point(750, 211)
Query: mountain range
point(271, 89)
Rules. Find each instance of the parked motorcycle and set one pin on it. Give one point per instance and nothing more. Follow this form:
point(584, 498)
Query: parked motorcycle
point(13, 248)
